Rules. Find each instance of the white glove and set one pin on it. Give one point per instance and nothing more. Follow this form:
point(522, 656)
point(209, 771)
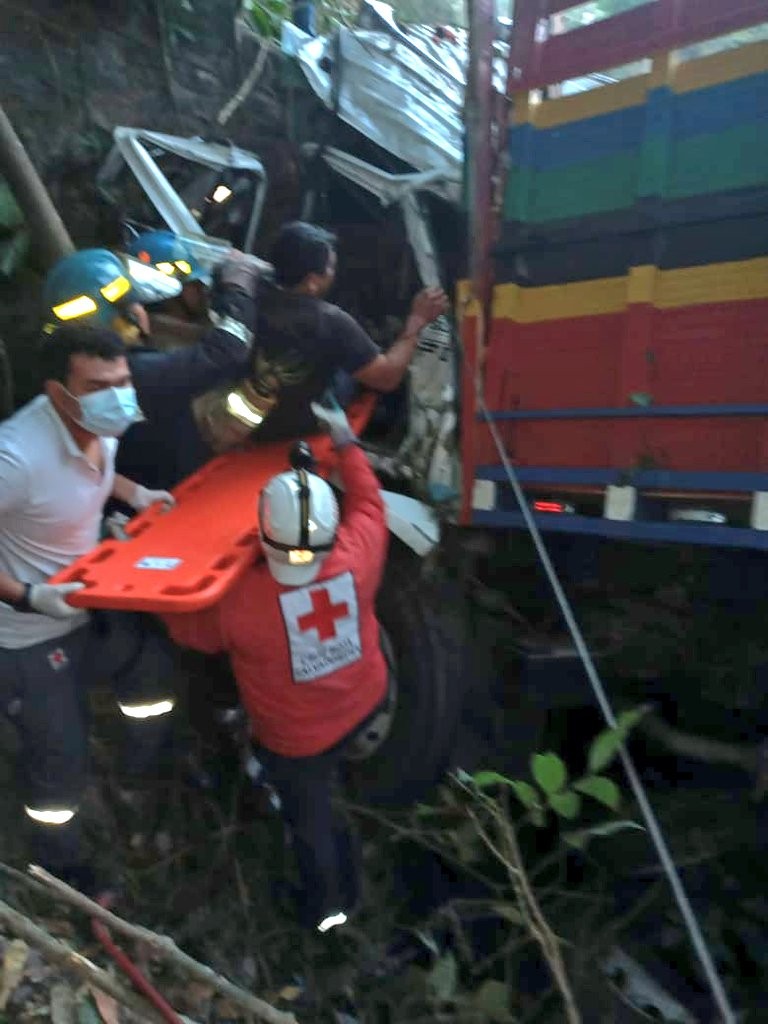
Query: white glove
point(334, 419)
point(142, 498)
point(50, 599)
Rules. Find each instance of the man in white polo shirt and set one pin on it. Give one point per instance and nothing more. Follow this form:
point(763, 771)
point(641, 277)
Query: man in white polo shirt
point(57, 458)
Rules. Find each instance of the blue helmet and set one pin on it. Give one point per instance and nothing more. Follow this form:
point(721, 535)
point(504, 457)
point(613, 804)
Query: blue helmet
point(93, 286)
point(171, 256)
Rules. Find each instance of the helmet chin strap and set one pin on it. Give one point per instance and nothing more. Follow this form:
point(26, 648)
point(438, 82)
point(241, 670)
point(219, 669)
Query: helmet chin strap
point(128, 326)
point(130, 333)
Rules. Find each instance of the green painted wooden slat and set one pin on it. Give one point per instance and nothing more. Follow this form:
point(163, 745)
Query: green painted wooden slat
point(730, 160)
point(591, 187)
point(737, 158)
point(655, 152)
point(517, 194)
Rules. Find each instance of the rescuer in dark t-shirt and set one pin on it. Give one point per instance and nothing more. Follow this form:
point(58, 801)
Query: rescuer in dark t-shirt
point(302, 342)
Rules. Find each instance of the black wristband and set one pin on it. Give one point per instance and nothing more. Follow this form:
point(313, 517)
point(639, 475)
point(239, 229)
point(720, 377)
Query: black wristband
point(23, 605)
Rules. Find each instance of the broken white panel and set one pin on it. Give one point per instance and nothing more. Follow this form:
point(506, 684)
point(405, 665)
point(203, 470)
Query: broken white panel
point(620, 503)
point(484, 496)
point(412, 522)
point(641, 991)
point(134, 145)
point(758, 517)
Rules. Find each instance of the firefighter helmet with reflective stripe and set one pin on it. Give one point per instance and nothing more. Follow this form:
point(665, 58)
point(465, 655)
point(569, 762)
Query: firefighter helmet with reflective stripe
point(169, 254)
point(298, 520)
point(94, 286)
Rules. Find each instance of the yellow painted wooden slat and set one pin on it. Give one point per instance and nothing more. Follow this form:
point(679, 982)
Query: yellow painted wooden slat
point(603, 100)
point(641, 284)
point(665, 289)
point(727, 66)
point(556, 301)
point(716, 282)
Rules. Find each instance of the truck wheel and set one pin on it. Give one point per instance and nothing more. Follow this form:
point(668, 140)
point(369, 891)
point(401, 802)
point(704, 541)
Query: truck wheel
point(426, 657)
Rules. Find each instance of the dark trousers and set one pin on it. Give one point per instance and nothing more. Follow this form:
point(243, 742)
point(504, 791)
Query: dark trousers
point(325, 850)
point(44, 690)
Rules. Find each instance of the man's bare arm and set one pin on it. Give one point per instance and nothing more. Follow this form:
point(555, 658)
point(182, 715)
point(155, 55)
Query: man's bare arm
point(11, 591)
point(386, 371)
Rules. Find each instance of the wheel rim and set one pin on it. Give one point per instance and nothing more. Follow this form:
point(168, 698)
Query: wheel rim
point(378, 729)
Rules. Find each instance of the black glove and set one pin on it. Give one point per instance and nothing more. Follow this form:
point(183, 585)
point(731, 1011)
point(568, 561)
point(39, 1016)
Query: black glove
point(238, 271)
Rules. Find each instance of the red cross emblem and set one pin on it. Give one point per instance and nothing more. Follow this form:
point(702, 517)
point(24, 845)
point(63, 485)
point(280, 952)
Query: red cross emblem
point(58, 659)
point(323, 615)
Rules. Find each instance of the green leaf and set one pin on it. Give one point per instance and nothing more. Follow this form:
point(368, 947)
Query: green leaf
point(538, 817)
point(467, 842)
point(627, 720)
point(492, 1000)
point(428, 941)
point(443, 978)
point(266, 17)
point(580, 839)
point(606, 745)
point(508, 911)
point(426, 811)
point(13, 251)
point(567, 804)
point(549, 771)
point(483, 780)
point(604, 749)
point(527, 795)
point(604, 790)
point(11, 216)
point(87, 1013)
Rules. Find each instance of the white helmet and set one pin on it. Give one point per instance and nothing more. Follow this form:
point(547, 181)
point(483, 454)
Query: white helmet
point(298, 520)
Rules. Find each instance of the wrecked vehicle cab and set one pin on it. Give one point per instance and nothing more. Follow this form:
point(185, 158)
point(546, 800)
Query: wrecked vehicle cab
point(382, 154)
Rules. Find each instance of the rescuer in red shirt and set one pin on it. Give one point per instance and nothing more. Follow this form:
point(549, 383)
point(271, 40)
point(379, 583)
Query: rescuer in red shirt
point(303, 639)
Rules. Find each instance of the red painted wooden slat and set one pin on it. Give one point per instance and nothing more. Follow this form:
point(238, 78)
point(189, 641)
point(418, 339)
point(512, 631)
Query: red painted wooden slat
point(605, 44)
point(524, 51)
point(707, 18)
point(703, 445)
point(706, 354)
point(554, 364)
point(656, 26)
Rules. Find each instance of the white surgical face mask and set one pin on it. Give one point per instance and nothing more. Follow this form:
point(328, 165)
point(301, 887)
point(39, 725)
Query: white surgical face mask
point(108, 412)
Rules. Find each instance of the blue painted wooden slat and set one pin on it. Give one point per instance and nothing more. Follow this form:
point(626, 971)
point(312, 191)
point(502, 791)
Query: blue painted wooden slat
point(707, 111)
point(631, 412)
point(720, 107)
point(640, 478)
point(578, 142)
point(661, 533)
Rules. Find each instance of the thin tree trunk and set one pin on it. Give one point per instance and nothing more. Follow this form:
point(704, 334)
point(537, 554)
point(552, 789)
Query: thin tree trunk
point(46, 226)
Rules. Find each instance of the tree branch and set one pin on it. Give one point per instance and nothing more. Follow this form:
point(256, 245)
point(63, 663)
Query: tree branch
point(69, 959)
point(247, 85)
point(702, 748)
point(551, 944)
point(167, 949)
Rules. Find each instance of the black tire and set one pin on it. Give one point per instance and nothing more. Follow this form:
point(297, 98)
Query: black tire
point(428, 657)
